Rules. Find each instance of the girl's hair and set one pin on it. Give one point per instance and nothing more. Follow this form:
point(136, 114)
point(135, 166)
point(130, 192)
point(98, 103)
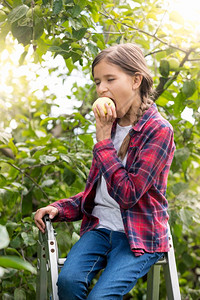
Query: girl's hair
point(130, 59)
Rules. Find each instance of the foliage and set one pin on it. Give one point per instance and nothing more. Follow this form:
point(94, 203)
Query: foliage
point(47, 158)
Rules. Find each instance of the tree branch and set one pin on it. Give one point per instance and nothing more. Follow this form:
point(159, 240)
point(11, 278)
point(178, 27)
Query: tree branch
point(143, 31)
point(160, 23)
point(156, 51)
point(163, 81)
point(28, 176)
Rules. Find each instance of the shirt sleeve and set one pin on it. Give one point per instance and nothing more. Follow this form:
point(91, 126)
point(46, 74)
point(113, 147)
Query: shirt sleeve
point(68, 209)
point(128, 186)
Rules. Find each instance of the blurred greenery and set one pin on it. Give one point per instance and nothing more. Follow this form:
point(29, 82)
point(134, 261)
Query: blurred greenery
point(44, 158)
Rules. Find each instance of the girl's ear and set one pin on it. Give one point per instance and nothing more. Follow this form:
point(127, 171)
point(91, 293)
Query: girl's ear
point(137, 79)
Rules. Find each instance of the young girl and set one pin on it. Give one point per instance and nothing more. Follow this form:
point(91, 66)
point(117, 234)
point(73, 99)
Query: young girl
point(123, 208)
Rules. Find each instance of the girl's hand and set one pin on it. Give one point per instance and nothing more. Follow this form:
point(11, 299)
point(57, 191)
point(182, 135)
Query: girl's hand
point(104, 121)
point(40, 213)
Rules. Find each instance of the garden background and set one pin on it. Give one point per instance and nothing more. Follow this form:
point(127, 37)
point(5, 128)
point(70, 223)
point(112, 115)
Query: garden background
point(47, 128)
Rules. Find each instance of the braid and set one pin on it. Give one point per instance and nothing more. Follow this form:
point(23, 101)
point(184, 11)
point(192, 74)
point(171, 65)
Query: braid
point(144, 106)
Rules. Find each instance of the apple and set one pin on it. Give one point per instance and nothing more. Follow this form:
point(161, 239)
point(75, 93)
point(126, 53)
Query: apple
point(101, 102)
point(173, 64)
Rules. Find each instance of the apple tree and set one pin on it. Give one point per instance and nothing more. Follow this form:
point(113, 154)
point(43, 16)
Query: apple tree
point(44, 158)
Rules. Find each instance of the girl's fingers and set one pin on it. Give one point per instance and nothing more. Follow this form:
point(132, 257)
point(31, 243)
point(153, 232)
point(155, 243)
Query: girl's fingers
point(100, 111)
point(40, 213)
point(40, 225)
point(111, 112)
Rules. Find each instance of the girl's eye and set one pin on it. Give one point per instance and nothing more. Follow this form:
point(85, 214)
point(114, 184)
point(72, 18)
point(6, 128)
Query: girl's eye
point(111, 79)
point(97, 82)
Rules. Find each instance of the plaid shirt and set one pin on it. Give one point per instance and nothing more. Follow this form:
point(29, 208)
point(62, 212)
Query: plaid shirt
point(139, 188)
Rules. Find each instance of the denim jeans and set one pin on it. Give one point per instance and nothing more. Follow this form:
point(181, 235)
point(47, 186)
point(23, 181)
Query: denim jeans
point(102, 249)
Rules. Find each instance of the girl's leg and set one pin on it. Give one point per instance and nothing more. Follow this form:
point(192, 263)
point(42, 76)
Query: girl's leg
point(122, 271)
point(84, 260)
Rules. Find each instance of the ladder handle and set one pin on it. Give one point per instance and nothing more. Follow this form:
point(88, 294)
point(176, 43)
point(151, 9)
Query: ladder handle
point(49, 228)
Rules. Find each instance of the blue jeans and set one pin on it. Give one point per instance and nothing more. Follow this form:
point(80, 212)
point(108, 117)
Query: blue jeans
point(102, 249)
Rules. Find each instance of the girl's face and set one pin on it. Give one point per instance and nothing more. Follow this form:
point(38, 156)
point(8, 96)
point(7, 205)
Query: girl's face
point(111, 81)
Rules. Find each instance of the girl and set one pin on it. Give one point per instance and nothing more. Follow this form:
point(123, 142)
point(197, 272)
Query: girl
point(123, 208)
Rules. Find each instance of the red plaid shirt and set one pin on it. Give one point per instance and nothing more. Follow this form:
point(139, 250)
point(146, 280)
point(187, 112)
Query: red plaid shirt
point(139, 188)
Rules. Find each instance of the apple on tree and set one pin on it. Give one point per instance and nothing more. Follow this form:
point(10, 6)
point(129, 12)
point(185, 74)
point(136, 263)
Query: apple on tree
point(173, 64)
point(101, 102)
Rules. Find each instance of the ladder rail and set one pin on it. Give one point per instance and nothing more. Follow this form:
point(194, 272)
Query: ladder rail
point(41, 280)
point(47, 275)
point(170, 274)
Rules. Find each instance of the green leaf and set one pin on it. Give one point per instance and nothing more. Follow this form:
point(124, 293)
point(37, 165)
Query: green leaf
point(188, 260)
point(19, 294)
point(93, 49)
point(4, 237)
point(87, 139)
point(182, 154)
point(186, 216)
point(78, 34)
point(28, 239)
point(17, 13)
point(168, 82)
point(4, 136)
point(177, 229)
point(47, 159)
point(75, 11)
point(75, 238)
point(45, 2)
point(15, 262)
point(28, 161)
point(189, 87)
point(21, 187)
point(22, 57)
point(22, 33)
point(165, 98)
point(69, 175)
point(46, 120)
point(12, 146)
point(75, 56)
point(48, 182)
point(179, 103)
point(38, 28)
point(65, 158)
point(57, 6)
point(187, 133)
point(70, 65)
point(162, 101)
point(81, 3)
point(179, 187)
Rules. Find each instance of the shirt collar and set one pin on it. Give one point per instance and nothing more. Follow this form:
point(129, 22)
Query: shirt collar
point(142, 121)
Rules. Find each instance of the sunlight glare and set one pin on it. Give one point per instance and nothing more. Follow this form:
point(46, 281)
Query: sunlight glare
point(188, 10)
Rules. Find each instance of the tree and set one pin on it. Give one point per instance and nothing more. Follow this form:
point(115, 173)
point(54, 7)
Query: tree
point(39, 166)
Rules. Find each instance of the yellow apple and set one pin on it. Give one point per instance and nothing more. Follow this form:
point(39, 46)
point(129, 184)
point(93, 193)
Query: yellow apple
point(101, 101)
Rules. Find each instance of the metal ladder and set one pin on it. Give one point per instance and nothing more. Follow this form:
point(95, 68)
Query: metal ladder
point(48, 264)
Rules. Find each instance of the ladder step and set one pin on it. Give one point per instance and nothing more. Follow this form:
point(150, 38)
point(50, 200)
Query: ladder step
point(61, 261)
point(161, 261)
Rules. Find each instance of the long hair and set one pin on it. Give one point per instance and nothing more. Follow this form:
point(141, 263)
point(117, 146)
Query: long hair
point(130, 59)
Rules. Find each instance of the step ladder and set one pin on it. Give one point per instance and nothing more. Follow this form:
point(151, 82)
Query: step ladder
point(48, 264)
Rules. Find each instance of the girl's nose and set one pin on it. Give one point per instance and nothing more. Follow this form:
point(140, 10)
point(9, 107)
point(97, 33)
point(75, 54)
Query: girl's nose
point(102, 88)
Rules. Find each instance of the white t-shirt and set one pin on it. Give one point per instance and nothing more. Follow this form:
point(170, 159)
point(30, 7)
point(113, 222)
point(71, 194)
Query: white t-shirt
point(106, 208)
